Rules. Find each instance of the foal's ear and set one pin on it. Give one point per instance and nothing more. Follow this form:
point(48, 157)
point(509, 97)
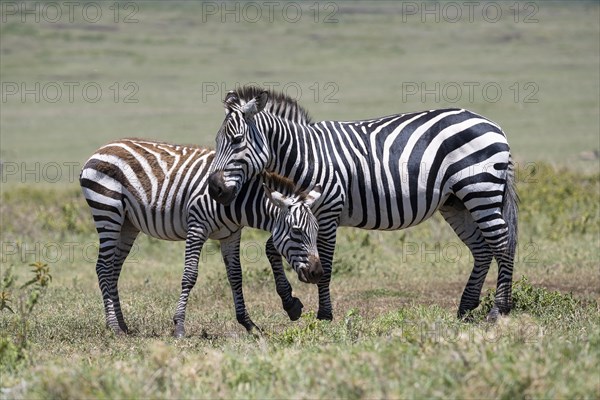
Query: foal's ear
point(280, 200)
point(256, 105)
point(313, 195)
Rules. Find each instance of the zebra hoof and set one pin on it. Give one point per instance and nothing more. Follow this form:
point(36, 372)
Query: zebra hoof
point(255, 331)
point(247, 323)
point(179, 332)
point(325, 316)
point(118, 330)
point(493, 315)
point(465, 316)
point(295, 310)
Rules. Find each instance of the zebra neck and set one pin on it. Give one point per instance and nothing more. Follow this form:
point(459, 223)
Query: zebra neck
point(295, 150)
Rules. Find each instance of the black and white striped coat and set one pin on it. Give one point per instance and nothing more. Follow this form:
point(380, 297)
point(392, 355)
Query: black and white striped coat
point(138, 185)
point(385, 173)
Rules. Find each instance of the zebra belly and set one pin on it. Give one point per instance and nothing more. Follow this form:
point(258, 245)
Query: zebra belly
point(165, 224)
point(172, 224)
point(382, 209)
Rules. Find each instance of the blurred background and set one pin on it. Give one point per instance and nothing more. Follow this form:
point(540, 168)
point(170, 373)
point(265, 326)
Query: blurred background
point(76, 76)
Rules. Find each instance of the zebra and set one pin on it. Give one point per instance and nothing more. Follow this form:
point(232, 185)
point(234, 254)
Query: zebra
point(385, 173)
point(134, 185)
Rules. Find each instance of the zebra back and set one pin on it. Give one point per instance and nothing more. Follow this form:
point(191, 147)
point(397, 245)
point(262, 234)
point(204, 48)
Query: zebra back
point(157, 185)
point(154, 181)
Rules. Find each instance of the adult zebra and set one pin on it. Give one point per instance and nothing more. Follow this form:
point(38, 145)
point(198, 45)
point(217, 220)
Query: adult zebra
point(386, 173)
point(135, 185)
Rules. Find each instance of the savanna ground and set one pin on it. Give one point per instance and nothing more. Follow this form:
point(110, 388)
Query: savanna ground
point(395, 293)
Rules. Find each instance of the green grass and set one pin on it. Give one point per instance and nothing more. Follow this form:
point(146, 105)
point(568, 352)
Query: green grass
point(395, 294)
point(395, 297)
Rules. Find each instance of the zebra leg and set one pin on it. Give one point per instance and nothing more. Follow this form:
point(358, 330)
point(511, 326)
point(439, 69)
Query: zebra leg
point(196, 237)
point(292, 305)
point(108, 226)
point(495, 230)
point(230, 250)
point(128, 235)
point(468, 231)
point(326, 247)
point(104, 267)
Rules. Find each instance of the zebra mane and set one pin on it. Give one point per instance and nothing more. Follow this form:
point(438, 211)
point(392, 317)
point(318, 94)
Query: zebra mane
point(283, 185)
point(279, 104)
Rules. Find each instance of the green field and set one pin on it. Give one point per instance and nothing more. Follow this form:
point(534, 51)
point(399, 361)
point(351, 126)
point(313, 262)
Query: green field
point(395, 295)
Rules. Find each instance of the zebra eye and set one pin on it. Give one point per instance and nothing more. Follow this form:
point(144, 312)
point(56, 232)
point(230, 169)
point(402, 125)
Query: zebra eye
point(237, 139)
point(296, 230)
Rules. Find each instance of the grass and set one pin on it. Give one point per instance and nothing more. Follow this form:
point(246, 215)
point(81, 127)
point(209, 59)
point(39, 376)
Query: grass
point(395, 294)
point(418, 351)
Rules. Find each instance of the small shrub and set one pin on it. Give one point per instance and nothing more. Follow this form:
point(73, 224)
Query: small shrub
point(305, 332)
point(536, 301)
point(313, 331)
point(14, 350)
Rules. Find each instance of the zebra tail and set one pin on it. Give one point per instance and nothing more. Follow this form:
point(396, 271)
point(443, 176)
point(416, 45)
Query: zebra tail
point(510, 208)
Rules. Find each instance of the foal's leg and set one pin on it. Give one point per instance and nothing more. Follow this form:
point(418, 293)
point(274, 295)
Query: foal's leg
point(292, 305)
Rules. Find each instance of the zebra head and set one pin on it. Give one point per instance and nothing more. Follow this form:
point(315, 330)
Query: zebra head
point(295, 232)
point(242, 150)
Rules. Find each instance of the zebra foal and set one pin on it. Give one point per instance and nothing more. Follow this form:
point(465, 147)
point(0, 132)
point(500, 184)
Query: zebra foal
point(139, 185)
point(385, 173)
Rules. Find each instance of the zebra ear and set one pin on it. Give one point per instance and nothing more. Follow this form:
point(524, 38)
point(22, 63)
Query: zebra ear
point(231, 99)
point(280, 200)
point(256, 105)
point(313, 195)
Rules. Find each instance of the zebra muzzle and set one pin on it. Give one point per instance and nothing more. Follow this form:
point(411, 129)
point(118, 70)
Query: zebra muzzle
point(217, 189)
point(312, 271)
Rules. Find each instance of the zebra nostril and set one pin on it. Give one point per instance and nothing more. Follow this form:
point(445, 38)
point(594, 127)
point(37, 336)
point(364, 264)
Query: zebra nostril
point(315, 269)
point(218, 190)
point(215, 184)
point(304, 275)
